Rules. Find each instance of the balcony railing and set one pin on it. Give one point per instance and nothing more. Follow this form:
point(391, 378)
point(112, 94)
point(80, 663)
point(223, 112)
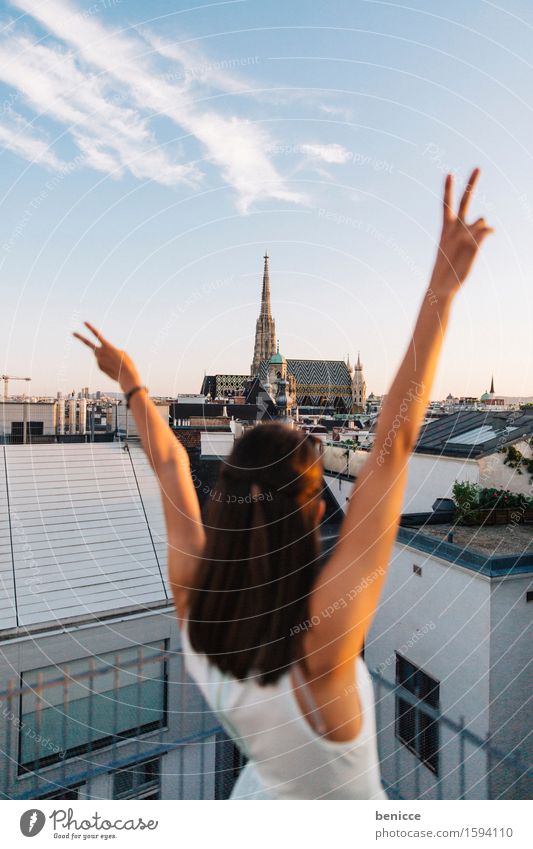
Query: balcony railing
point(128, 715)
point(466, 765)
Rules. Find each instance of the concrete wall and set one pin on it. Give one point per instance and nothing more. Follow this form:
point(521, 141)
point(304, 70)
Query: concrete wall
point(441, 623)
point(433, 477)
point(429, 477)
point(13, 411)
point(511, 681)
point(216, 444)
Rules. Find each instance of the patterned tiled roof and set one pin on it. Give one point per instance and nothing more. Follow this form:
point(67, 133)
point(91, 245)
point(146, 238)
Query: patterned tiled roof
point(219, 385)
point(318, 379)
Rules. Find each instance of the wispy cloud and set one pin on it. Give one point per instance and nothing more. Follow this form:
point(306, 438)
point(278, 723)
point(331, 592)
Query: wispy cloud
point(332, 154)
point(17, 135)
point(336, 111)
point(112, 137)
point(106, 90)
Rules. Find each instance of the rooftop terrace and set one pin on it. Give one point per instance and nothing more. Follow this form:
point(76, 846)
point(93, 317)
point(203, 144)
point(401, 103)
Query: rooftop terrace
point(492, 550)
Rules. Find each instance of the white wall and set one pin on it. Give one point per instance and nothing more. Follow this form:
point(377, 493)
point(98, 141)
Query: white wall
point(13, 411)
point(432, 477)
point(511, 679)
point(216, 444)
point(429, 478)
point(441, 623)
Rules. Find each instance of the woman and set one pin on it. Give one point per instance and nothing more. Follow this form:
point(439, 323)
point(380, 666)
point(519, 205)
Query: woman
point(274, 641)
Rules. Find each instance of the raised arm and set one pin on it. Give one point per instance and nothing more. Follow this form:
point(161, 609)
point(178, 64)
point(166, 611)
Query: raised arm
point(170, 463)
point(348, 589)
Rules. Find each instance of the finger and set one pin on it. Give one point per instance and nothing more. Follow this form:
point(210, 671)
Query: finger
point(480, 222)
point(467, 194)
point(482, 234)
point(85, 341)
point(97, 333)
point(447, 200)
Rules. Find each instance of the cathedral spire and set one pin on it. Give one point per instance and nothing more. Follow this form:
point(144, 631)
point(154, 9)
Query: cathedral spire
point(265, 296)
point(492, 385)
point(265, 328)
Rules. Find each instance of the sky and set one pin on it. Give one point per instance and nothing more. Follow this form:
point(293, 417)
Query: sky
point(151, 152)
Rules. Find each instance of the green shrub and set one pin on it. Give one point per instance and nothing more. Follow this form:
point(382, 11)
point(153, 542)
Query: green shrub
point(471, 499)
point(466, 497)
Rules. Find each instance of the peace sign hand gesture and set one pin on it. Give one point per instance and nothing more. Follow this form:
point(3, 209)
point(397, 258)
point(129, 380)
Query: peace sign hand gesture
point(112, 361)
point(459, 241)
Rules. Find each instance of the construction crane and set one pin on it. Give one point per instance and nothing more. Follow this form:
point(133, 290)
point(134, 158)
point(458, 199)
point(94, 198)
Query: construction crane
point(6, 378)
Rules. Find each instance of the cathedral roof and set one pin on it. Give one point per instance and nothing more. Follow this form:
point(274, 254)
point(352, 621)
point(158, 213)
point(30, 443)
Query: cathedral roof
point(328, 372)
point(318, 379)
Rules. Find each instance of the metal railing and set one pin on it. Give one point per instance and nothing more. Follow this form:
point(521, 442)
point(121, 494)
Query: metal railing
point(195, 759)
point(469, 766)
point(75, 731)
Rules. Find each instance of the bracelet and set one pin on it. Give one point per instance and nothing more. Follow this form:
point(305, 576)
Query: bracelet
point(129, 395)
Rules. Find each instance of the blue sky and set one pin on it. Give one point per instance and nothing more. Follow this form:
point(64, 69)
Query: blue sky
point(151, 152)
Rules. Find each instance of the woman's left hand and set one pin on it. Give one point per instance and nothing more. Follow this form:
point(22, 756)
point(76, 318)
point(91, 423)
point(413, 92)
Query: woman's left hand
point(112, 361)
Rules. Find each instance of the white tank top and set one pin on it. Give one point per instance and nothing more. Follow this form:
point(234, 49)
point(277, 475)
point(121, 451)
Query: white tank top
point(287, 759)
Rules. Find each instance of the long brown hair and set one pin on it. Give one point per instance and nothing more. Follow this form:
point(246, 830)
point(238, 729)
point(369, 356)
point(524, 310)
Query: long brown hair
point(248, 610)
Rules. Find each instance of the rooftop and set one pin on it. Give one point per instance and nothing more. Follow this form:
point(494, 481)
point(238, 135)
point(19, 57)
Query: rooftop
point(81, 534)
point(474, 433)
point(487, 539)
point(491, 550)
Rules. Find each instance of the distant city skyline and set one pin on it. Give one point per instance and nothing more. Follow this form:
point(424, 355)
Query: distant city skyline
point(151, 155)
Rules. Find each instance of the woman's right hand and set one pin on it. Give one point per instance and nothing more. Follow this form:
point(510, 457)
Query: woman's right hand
point(459, 241)
point(112, 361)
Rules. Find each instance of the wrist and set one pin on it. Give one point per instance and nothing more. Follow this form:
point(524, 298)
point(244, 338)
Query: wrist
point(128, 379)
point(441, 290)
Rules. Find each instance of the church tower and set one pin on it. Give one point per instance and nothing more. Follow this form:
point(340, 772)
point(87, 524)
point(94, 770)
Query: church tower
point(265, 328)
point(359, 386)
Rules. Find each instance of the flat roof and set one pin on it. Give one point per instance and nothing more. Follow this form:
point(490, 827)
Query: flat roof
point(49, 402)
point(488, 539)
point(493, 550)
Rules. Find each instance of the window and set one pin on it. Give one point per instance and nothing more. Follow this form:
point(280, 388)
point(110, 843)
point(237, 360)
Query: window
point(35, 429)
point(90, 703)
point(32, 429)
point(64, 793)
point(416, 730)
point(139, 781)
